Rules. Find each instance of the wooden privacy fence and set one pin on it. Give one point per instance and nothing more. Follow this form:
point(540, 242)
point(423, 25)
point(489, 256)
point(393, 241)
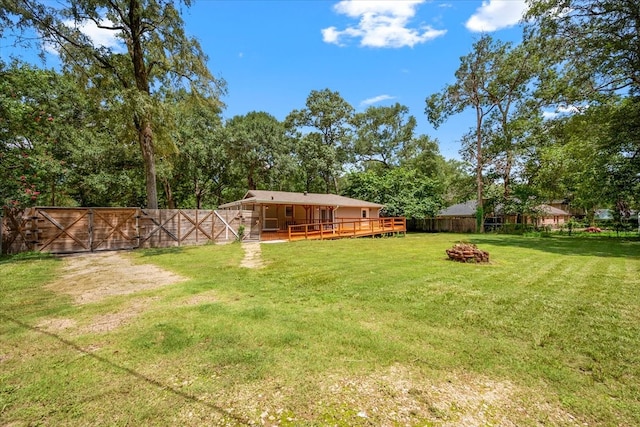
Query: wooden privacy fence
point(69, 230)
point(443, 224)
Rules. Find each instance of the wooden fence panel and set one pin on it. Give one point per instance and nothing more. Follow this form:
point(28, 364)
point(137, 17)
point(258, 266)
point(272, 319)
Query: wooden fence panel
point(114, 228)
point(228, 220)
point(251, 222)
point(161, 228)
point(455, 225)
point(196, 226)
point(62, 230)
point(158, 228)
point(225, 222)
point(443, 224)
point(16, 231)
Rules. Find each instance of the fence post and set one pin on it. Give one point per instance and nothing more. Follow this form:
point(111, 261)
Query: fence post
point(90, 230)
point(179, 228)
point(1, 231)
point(138, 213)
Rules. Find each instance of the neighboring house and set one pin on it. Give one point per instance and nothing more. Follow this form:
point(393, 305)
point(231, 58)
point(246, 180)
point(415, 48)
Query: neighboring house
point(550, 216)
point(567, 207)
point(608, 215)
point(462, 218)
point(460, 210)
point(603, 215)
point(275, 211)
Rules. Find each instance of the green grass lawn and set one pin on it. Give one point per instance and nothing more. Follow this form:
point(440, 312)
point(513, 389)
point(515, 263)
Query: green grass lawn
point(379, 331)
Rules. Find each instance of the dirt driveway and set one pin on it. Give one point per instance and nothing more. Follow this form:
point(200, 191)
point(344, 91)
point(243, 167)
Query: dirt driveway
point(91, 278)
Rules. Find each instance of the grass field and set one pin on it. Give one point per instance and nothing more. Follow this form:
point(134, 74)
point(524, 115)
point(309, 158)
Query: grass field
point(363, 332)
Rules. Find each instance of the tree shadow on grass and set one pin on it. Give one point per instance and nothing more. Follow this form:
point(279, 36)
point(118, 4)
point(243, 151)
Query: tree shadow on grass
point(184, 395)
point(598, 246)
point(26, 257)
point(162, 251)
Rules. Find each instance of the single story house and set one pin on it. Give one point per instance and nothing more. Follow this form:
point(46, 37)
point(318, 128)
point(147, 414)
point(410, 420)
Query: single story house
point(275, 211)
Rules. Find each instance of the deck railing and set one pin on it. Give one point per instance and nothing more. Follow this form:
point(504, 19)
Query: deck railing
point(348, 227)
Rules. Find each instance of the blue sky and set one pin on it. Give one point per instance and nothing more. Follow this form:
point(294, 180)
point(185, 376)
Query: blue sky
point(273, 53)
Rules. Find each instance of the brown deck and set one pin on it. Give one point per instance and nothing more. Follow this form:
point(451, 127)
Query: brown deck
point(347, 228)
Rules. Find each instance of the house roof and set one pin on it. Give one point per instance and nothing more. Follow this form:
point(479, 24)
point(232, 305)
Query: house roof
point(550, 210)
point(468, 209)
point(287, 198)
point(460, 209)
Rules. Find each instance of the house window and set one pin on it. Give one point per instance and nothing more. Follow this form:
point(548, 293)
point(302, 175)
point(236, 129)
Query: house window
point(288, 211)
point(364, 213)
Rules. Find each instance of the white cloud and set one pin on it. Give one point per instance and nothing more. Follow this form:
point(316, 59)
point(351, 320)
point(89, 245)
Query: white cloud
point(100, 36)
point(380, 24)
point(50, 48)
point(495, 15)
point(376, 99)
point(564, 110)
point(331, 35)
point(570, 108)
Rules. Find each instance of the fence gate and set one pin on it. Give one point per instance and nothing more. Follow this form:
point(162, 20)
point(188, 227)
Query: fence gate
point(113, 228)
point(69, 230)
point(251, 221)
point(61, 230)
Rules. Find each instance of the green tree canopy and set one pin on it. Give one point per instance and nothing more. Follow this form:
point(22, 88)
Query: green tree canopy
point(382, 134)
point(323, 134)
point(596, 42)
point(404, 192)
point(473, 88)
point(257, 145)
point(154, 52)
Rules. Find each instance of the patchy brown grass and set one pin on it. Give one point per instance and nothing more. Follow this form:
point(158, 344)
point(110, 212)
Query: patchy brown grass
point(391, 396)
point(90, 278)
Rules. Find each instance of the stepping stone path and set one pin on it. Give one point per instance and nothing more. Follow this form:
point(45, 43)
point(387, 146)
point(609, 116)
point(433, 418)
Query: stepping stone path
point(252, 255)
